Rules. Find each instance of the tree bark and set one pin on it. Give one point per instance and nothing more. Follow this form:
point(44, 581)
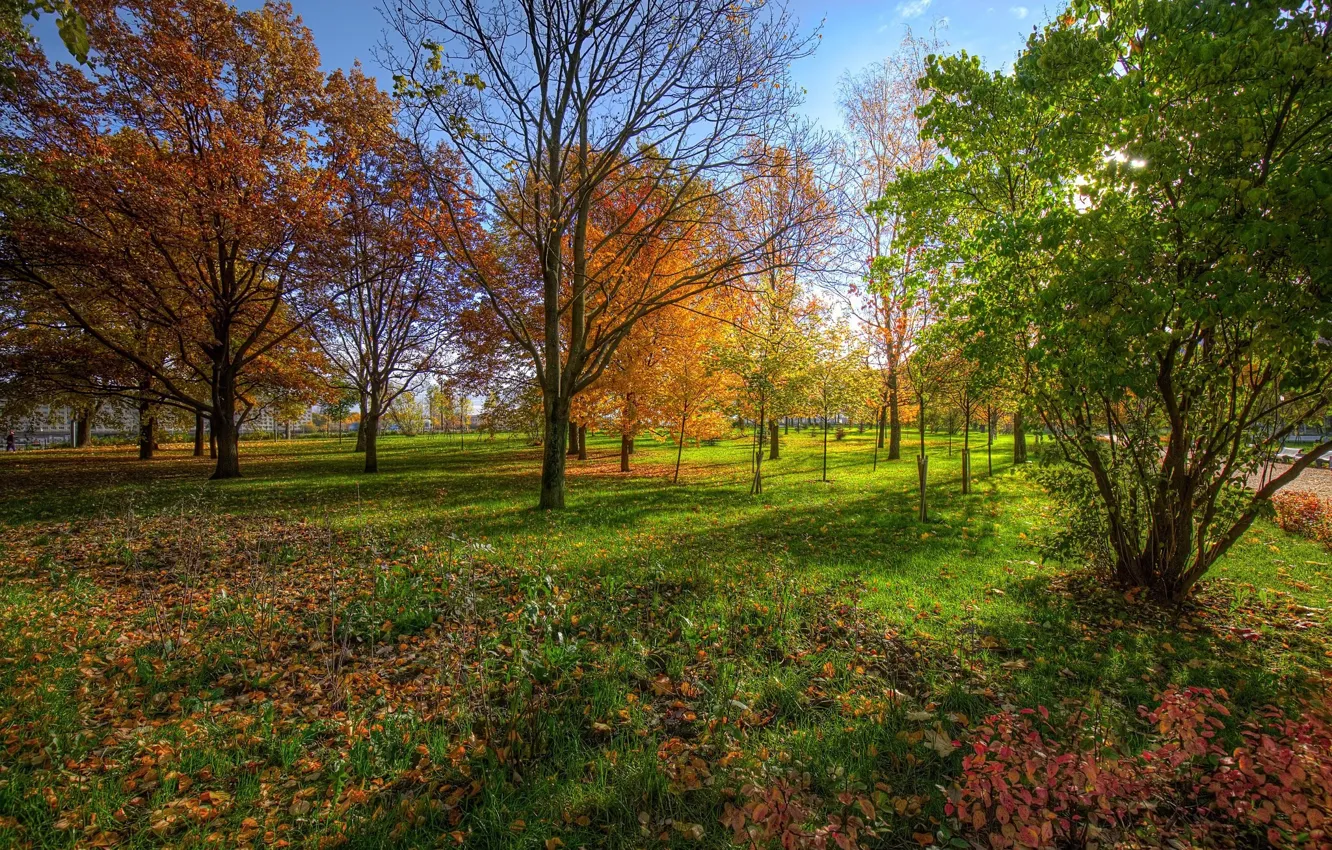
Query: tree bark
point(582, 442)
point(198, 433)
point(147, 433)
point(774, 449)
point(625, 441)
point(1019, 438)
point(212, 440)
point(554, 436)
point(966, 471)
point(83, 431)
point(225, 434)
point(370, 425)
point(223, 421)
point(573, 439)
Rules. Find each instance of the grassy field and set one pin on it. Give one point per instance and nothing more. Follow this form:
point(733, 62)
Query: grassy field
point(314, 657)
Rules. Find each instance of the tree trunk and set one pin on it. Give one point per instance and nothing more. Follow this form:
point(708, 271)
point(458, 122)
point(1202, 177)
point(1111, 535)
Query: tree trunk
point(1019, 439)
point(756, 485)
point(582, 442)
point(573, 439)
point(225, 435)
point(966, 471)
point(894, 424)
point(288, 430)
point(554, 437)
point(223, 421)
point(212, 440)
point(825, 447)
point(147, 435)
point(774, 450)
point(625, 441)
point(922, 472)
point(370, 427)
point(83, 431)
point(679, 451)
point(198, 433)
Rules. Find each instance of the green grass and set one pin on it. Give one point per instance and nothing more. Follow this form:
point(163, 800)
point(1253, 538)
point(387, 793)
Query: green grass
point(421, 658)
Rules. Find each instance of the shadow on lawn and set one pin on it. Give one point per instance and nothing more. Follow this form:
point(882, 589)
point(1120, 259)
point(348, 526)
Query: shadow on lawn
point(612, 657)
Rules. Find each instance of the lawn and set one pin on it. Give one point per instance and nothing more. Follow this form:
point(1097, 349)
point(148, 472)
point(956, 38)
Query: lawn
point(314, 657)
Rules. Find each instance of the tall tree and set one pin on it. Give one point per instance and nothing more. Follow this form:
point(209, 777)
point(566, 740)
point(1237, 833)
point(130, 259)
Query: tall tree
point(387, 323)
point(881, 109)
point(1142, 207)
point(188, 195)
point(556, 107)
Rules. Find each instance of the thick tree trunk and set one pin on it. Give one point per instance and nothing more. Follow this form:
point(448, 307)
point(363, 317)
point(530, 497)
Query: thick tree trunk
point(370, 425)
point(573, 439)
point(212, 440)
point(225, 434)
point(625, 447)
point(774, 449)
point(223, 421)
point(555, 435)
point(147, 434)
point(83, 431)
point(582, 442)
point(198, 433)
point(1019, 439)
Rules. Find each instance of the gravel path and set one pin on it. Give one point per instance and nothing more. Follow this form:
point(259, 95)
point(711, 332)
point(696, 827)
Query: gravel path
point(1313, 480)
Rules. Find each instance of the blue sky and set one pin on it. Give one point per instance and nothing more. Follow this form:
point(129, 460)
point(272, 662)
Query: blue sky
point(855, 33)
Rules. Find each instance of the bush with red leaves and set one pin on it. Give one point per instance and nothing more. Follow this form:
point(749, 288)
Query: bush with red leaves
point(1022, 788)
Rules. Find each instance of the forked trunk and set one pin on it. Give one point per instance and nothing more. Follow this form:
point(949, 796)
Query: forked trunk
point(223, 421)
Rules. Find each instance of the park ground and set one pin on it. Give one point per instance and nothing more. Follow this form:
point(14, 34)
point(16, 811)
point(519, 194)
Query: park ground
point(314, 657)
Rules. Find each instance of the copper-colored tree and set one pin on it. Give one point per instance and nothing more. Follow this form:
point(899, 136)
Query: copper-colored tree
point(187, 195)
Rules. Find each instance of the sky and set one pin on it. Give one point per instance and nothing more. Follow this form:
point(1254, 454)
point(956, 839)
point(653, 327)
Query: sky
point(855, 33)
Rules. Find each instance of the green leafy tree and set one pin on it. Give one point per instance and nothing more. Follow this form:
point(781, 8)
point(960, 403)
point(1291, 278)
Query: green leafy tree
point(1140, 212)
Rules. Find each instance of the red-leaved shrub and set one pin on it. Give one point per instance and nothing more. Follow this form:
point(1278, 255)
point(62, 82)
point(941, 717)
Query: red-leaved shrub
point(1023, 787)
point(1301, 512)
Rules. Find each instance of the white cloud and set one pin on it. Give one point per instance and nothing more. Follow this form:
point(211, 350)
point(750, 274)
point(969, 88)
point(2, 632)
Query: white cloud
point(883, 28)
point(912, 8)
point(1019, 12)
